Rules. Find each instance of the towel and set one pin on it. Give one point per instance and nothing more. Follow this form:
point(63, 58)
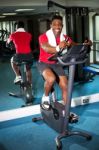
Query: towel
point(51, 37)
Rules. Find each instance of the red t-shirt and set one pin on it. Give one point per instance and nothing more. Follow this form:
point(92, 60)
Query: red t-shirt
point(21, 41)
point(43, 57)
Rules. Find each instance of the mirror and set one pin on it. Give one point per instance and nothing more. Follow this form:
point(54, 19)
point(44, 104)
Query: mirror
point(36, 23)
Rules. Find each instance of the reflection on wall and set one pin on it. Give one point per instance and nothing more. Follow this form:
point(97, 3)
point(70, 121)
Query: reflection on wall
point(6, 27)
point(97, 28)
point(97, 52)
point(96, 38)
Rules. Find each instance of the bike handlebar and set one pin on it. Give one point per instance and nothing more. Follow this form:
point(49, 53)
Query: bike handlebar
point(75, 55)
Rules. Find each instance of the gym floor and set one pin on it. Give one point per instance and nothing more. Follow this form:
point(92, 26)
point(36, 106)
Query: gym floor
point(23, 134)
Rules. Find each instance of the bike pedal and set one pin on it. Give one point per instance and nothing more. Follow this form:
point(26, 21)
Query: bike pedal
point(73, 118)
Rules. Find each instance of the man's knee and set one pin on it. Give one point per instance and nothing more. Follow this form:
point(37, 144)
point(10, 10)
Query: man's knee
point(50, 80)
point(49, 76)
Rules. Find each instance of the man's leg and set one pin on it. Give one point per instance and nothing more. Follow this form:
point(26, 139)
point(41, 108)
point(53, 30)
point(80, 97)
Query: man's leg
point(63, 83)
point(49, 78)
point(29, 75)
point(16, 70)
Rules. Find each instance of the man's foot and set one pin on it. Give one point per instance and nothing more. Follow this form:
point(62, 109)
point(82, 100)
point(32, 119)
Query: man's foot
point(63, 102)
point(45, 102)
point(17, 79)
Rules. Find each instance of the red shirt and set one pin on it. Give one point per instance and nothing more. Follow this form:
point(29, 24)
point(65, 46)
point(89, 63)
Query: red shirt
point(43, 57)
point(21, 41)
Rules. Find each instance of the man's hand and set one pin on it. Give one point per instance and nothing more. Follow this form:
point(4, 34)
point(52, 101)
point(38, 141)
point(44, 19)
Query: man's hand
point(62, 44)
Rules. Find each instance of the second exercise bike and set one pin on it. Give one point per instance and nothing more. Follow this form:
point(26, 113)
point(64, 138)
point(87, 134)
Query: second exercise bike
point(26, 91)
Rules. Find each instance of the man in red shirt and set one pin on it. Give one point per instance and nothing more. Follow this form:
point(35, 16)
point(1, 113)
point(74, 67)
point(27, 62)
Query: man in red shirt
point(52, 42)
point(21, 40)
point(89, 43)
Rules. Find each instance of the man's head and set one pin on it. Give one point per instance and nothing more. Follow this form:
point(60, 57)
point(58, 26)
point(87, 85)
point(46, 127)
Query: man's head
point(57, 17)
point(57, 24)
point(19, 24)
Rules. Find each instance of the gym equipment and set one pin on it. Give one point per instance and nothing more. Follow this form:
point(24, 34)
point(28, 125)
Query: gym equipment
point(91, 71)
point(4, 34)
point(5, 51)
point(57, 116)
point(25, 88)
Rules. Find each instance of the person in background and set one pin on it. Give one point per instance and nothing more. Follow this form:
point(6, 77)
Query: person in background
point(88, 42)
point(52, 42)
point(21, 40)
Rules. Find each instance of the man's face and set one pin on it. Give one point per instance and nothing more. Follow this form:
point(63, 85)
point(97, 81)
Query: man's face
point(57, 26)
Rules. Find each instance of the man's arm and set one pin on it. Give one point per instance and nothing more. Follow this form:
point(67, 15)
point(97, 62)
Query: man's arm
point(48, 48)
point(9, 39)
point(10, 44)
point(52, 49)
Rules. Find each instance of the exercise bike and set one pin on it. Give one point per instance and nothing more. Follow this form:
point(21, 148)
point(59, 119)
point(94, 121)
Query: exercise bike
point(57, 116)
point(26, 91)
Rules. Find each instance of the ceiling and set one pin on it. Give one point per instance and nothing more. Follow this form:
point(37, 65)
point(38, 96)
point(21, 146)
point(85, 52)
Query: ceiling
point(41, 6)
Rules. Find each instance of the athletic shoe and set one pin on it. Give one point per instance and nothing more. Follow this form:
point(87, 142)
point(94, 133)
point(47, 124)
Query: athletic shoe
point(45, 102)
point(17, 79)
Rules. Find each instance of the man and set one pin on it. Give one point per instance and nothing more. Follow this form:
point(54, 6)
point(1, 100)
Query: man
point(89, 43)
point(21, 40)
point(51, 43)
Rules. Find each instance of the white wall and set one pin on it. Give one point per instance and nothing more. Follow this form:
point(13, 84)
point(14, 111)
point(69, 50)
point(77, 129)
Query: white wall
point(91, 14)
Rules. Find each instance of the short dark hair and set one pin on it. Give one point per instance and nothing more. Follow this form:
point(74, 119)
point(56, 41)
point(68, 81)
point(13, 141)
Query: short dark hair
point(20, 24)
point(57, 17)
